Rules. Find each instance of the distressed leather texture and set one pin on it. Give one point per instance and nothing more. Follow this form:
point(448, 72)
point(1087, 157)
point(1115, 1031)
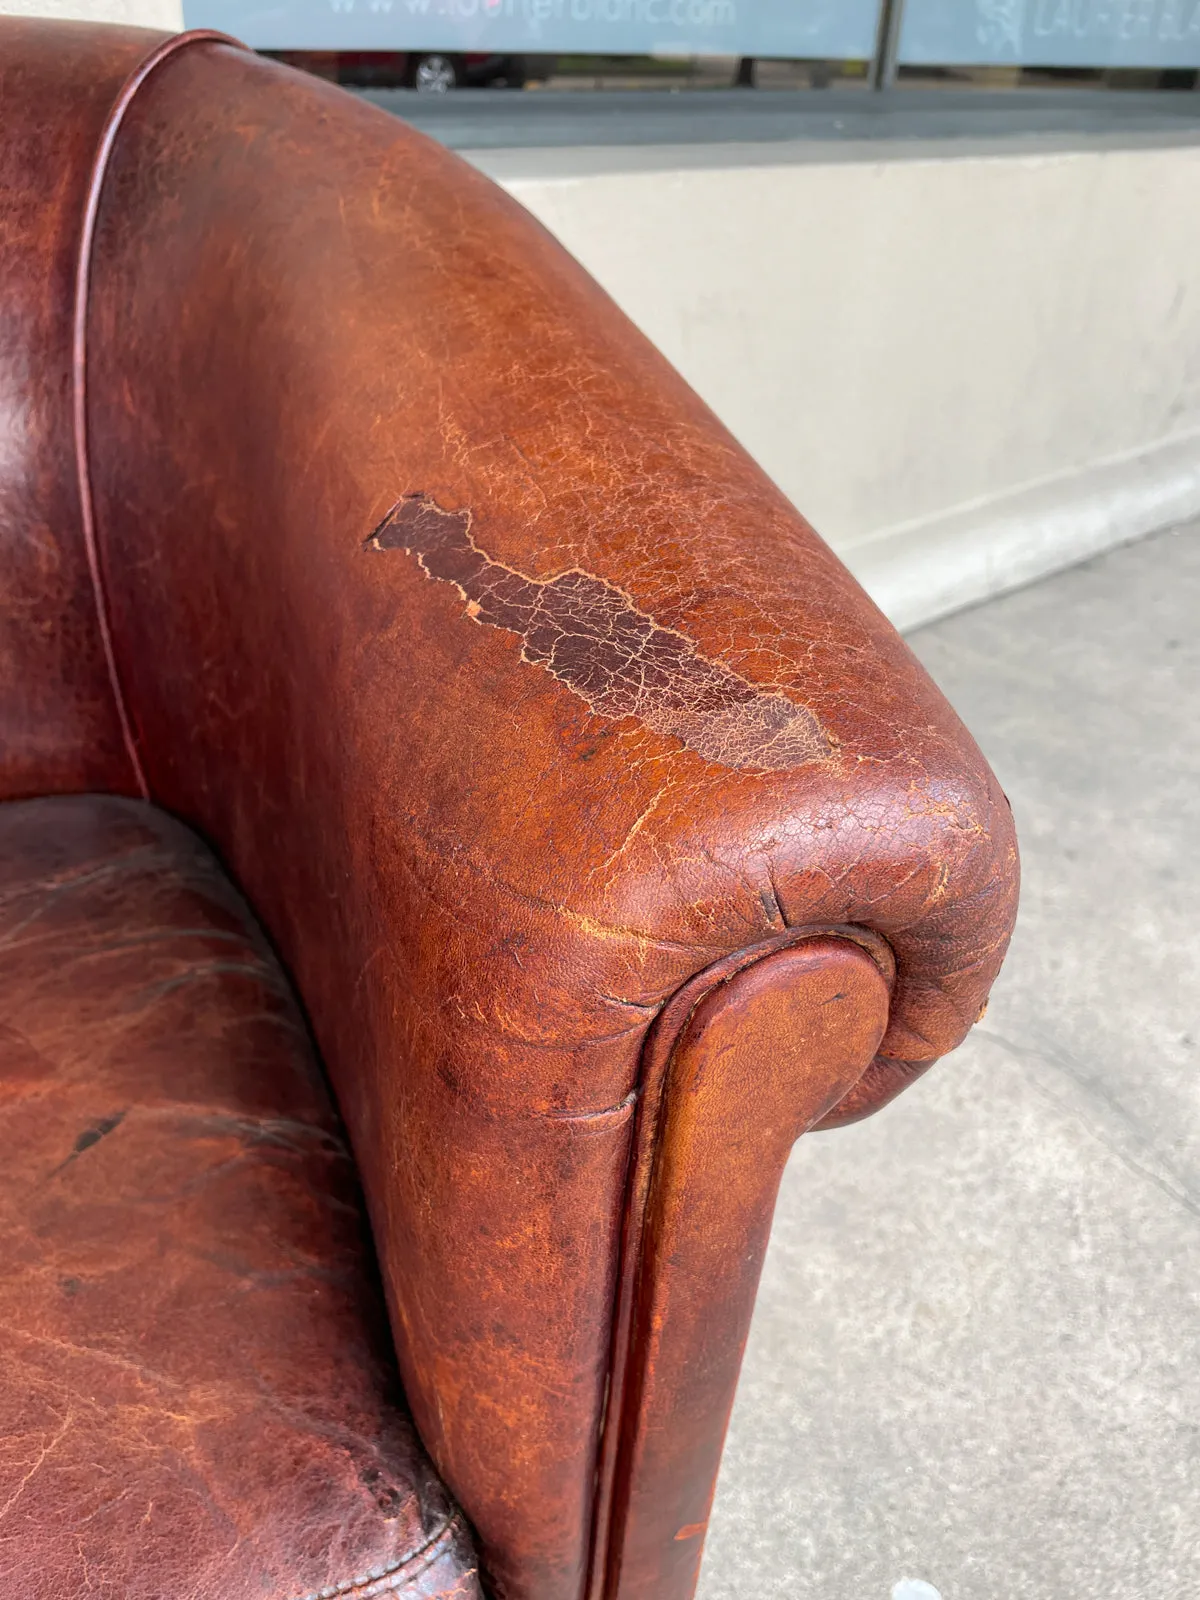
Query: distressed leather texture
point(59, 727)
point(197, 1394)
point(510, 691)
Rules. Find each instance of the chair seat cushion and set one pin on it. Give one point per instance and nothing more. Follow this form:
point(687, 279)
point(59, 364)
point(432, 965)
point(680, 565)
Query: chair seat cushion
point(197, 1397)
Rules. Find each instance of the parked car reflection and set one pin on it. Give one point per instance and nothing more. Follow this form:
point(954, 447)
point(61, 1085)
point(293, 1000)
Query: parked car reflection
point(426, 71)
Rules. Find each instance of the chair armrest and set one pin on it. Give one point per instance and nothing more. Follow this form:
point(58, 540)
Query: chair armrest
point(518, 700)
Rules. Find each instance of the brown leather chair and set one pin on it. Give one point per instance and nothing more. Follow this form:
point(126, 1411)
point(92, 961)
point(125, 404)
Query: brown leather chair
point(607, 834)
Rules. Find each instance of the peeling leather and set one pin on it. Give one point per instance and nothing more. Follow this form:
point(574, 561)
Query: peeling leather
point(197, 1399)
point(592, 637)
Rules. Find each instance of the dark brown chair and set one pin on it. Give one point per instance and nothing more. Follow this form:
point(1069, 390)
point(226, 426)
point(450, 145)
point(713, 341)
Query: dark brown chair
point(607, 834)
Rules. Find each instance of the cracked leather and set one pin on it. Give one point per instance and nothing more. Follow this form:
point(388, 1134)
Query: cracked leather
point(489, 845)
point(197, 1395)
point(619, 662)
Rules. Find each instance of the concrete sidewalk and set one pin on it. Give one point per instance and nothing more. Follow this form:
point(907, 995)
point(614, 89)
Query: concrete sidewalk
point(975, 1362)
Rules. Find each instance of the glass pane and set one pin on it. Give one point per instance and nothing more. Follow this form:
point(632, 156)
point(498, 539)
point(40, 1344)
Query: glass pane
point(1051, 33)
point(790, 28)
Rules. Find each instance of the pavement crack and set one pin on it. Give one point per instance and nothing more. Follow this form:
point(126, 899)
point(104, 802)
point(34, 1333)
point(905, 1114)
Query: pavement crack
point(1158, 1173)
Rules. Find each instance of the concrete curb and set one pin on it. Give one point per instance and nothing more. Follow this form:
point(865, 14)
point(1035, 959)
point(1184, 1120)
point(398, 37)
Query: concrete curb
point(922, 570)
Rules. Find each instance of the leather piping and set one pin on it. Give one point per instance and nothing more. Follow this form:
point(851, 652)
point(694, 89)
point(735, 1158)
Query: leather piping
point(104, 148)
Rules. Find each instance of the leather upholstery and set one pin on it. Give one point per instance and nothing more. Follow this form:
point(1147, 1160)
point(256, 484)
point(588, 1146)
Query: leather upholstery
point(59, 727)
point(197, 1398)
point(514, 696)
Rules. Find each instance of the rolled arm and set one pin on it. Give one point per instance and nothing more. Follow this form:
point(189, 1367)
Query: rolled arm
point(519, 701)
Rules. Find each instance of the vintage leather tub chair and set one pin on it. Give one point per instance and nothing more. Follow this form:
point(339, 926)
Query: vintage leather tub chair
point(605, 833)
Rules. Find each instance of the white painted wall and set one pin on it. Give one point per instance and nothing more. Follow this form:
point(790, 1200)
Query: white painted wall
point(164, 14)
point(966, 369)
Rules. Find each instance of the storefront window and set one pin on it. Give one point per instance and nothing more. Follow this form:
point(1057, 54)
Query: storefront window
point(437, 45)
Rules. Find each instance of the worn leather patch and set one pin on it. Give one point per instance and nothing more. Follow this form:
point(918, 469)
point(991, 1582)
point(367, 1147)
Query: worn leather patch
point(596, 641)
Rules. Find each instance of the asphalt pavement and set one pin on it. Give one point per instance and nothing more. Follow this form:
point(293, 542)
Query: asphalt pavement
point(489, 119)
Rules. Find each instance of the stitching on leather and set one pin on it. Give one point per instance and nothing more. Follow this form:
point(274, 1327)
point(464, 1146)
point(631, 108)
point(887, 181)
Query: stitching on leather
point(391, 1574)
point(104, 149)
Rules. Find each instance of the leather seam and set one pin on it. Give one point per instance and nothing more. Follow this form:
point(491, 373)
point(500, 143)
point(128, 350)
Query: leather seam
point(391, 1574)
point(100, 161)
